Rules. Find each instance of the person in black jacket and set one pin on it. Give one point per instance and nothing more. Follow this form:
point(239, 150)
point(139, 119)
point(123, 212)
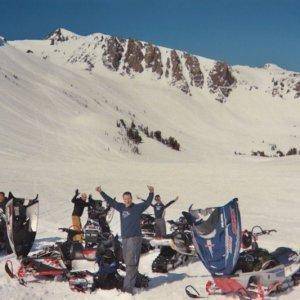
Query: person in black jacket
point(159, 214)
point(79, 204)
point(130, 215)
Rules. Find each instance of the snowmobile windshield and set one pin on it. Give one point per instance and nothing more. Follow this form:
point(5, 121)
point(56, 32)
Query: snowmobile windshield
point(218, 239)
point(208, 226)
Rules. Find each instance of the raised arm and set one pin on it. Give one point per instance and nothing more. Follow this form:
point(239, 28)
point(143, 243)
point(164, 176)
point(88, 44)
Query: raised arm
point(75, 196)
point(147, 202)
point(107, 209)
point(138, 197)
point(110, 201)
point(171, 202)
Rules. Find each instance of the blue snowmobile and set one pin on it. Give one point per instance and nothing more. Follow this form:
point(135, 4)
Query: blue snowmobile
point(253, 273)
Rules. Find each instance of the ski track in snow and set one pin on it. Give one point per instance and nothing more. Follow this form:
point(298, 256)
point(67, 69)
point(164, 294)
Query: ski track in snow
point(58, 132)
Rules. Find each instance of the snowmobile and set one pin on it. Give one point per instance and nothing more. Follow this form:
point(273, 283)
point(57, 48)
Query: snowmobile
point(3, 235)
point(148, 232)
point(53, 263)
point(73, 251)
point(147, 226)
point(62, 257)
point(178, 250)
point(100, 214)
point(97, 223)
point(107, 277)
point(58, 261)
point(21, 224)
point(252, 274)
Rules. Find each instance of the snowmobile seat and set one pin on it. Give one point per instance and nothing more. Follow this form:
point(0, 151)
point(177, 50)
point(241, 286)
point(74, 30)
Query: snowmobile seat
point(76, 249)
point(284, 255)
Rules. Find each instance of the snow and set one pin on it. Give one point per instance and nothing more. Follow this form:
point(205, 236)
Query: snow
point(58, 132)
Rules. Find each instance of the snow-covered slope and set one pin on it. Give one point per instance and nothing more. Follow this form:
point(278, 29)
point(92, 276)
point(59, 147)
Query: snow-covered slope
point(58, 131)
point(190, 73)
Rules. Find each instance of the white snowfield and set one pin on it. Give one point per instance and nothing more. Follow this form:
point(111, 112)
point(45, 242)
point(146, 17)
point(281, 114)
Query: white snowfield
point(58, 132)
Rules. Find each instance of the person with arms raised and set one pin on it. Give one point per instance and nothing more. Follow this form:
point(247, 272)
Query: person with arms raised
point(130, 216)
point(79, 204)
point(159, 214)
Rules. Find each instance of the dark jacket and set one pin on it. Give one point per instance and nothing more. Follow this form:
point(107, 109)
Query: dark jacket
point(130, 216)
point(79, 206)
point(3, 204)
point(159, 209)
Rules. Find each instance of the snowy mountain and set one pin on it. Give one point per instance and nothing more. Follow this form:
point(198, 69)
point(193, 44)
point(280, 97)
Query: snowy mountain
point(64, 101)
point(189, 73)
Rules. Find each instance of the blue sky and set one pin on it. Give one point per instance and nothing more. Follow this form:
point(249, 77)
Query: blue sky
point(251, 32)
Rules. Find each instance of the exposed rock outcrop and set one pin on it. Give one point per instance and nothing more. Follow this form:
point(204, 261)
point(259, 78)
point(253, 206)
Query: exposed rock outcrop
point(113, 53)
point(297, 89)
point(61, 35)
point(153, 59)
point(130, 57)
point(178, 78)
point(221, 80)
point(133, 57)
point(193, 66)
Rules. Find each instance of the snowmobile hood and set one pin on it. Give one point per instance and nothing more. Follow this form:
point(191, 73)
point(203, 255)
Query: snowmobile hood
point(218, 239)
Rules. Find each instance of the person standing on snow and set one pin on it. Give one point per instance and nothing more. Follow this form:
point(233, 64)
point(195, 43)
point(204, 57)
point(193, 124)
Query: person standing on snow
point(79, 204)
point(159, 214)
point(130, 216)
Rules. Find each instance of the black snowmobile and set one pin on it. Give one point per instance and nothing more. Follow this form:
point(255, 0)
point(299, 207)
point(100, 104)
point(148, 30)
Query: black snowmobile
point(100, 214)
point(180, 250)
point(21, 223)
point(148, 226)
point(148, 232)
point(4, 242)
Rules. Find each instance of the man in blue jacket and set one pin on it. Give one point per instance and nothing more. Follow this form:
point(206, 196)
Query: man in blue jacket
point(130, 216)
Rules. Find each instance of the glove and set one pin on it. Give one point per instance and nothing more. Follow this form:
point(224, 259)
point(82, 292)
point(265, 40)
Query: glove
point(76, 192)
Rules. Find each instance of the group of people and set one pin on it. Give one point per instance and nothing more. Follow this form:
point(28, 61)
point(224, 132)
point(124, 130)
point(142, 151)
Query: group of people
point(130, 217)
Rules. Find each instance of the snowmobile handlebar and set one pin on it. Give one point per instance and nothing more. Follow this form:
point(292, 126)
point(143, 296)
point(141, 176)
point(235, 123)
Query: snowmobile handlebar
point(261, 231)
point(69, 230)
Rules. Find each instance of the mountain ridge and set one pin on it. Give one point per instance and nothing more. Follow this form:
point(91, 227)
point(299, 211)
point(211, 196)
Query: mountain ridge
point(189, 73)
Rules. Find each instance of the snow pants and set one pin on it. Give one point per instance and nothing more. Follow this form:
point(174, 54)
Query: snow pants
point(131, 253)
point(160, 228)
point(76, 222)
